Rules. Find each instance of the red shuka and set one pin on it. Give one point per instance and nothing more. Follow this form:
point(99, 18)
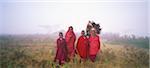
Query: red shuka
point(94, 45)
point(70, 40)
point(61, 53)
point(82, 47)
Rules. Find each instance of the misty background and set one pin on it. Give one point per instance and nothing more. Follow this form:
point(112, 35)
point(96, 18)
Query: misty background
point(49, 16)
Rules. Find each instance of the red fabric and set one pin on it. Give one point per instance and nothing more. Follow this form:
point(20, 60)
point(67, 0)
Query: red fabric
point(92, 58)
point(82, 47)
point(61, 53)
point(94, 45)
point(70, 39)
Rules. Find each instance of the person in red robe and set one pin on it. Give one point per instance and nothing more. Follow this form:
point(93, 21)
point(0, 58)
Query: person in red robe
point(82, 46)
point(94, 42)
point(61, 54)
point(70, 40)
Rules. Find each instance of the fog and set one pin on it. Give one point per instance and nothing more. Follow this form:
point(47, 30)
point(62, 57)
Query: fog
point(47, 16)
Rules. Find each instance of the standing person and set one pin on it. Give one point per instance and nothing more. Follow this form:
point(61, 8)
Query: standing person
point(61, 54)
point(94, 43)
point(70, 39)
point(82, 46)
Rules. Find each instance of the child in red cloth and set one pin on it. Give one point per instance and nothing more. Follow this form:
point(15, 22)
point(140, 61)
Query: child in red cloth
point(70, 40)
point(94, 42)
point(61, 54)
point(82, 46)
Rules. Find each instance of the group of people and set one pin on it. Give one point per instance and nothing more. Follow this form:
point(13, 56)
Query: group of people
point(87, 45)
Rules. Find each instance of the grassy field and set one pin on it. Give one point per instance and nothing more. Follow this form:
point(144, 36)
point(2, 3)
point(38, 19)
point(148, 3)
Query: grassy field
point(39, 51)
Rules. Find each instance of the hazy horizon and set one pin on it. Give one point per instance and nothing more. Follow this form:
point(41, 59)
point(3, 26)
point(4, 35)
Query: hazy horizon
point(42, 17)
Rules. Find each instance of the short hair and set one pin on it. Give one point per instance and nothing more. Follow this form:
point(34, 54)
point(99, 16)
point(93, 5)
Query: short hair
point(82, 31)
point(61, 33)
point(70, 27)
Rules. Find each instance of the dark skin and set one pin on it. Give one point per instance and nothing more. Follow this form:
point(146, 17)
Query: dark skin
point(71, 29)
point(83, 33)
point(60, 36)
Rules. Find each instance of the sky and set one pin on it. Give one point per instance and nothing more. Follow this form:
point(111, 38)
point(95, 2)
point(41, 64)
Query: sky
point(49, 16)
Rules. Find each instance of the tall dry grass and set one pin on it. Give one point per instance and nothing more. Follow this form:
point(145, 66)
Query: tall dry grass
point(110, 56)
point(39, 52)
